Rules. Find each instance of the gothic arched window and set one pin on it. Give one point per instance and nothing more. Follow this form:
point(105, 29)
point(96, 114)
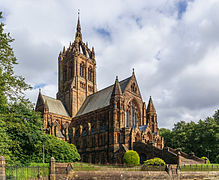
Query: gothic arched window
point(90, 74)
point(82, 70)
point(133, 88)
point(132, 114)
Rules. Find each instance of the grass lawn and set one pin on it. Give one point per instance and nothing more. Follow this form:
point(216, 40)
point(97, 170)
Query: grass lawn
point(31, 171)
point(200, 167)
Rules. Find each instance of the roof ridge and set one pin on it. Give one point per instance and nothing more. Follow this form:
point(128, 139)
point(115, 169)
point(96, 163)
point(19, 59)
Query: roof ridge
point(51, 97)
point(108, 87)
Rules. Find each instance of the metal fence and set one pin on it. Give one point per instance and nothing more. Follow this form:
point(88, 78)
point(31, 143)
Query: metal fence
point(20, 173)
point(200, 167)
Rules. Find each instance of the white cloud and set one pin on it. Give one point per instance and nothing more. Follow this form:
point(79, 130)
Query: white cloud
point(175, 59)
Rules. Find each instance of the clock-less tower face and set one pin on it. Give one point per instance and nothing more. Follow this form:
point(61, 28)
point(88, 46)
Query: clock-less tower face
point(76, 73)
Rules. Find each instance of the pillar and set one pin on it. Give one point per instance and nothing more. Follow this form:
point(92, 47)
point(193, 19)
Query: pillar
point(2, 168)
point(52, 168)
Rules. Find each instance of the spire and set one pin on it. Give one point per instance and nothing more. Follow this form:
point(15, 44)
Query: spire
point(116, 88)
point(78, 32)
point(150, 107)
point(133, 71)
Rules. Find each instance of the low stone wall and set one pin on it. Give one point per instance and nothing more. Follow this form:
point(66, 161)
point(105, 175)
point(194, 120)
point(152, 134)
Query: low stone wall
point(64, 171)
point(207, 175)
point(116, 175)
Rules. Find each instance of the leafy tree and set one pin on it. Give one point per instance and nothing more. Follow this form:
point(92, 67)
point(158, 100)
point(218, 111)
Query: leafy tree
point(21, 134)
point(12, 87)
point(202, 138)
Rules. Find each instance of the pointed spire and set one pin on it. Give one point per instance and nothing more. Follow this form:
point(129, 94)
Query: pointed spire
point(78, 32)
point(150, 107)
point(116, 88)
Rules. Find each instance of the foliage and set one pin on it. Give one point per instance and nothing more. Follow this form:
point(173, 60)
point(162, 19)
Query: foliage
point(12, 87)
point(202, 137)
point(21, 131)
point(131, 158)
point(60, 150)
point(154, 162)
point(208, 162)
point(217, 159)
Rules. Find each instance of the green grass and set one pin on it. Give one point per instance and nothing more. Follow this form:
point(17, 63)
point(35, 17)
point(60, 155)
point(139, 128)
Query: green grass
point(200, 167)
point(32, 171)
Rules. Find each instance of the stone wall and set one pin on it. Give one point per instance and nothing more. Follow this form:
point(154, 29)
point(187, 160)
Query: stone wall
point(63, 171)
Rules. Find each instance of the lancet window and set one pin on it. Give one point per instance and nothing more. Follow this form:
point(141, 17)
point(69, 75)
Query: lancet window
point(133, 88)
point(132, 114)
point(90, 74)
point(82, 70)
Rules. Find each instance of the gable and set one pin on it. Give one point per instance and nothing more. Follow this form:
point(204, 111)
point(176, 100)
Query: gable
point(132, 86)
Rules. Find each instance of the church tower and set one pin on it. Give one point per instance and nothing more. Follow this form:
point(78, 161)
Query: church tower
point(76, 73)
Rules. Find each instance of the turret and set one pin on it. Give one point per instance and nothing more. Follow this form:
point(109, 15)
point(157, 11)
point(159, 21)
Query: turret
point(151, 116)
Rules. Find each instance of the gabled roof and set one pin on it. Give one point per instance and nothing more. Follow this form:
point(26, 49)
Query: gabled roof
point(100, 99)
point(55, 106)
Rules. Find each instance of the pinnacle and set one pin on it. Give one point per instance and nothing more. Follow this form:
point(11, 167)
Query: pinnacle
point(116, 88)
point(150, 107)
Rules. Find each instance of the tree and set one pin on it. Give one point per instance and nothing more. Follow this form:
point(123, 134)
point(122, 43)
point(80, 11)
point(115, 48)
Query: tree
point(21, 130)
point(12, 87)
point(202, 138)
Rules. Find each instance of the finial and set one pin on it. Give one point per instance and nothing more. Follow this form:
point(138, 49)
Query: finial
point(116, 78)
point(78, 13)
point(39, 90)
point(133, 71)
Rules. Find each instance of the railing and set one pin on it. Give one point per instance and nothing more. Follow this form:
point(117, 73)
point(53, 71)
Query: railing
point(20, 173)
point(200, 167)
point(115, 167)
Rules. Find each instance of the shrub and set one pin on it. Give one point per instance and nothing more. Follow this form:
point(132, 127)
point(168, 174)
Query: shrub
point(154, 162)
point(217, 159)
point(131, 158)
point(208, 162)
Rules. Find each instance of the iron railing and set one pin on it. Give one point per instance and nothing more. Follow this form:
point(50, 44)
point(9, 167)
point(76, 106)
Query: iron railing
point(20, 173)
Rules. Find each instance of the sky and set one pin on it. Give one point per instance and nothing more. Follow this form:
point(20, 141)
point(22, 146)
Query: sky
point(173, 45)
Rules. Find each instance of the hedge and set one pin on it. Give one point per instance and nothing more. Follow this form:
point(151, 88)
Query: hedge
point(131, 158)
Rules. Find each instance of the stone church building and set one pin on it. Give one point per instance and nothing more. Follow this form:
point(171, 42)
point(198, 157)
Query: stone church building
point(103, 124)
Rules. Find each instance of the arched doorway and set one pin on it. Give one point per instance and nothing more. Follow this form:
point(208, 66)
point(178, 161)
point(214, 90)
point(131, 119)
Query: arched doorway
point(138, 137)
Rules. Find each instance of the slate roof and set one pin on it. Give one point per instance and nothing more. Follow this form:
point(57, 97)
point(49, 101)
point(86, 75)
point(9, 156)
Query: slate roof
point(142, 128)
point(55, 106)
point(100, 99)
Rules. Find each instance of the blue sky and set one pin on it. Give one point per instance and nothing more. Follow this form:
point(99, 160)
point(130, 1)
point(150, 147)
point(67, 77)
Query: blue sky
point(172, 44)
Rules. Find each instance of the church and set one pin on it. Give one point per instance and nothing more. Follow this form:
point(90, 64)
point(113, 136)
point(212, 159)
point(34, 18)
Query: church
point(102, 124)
